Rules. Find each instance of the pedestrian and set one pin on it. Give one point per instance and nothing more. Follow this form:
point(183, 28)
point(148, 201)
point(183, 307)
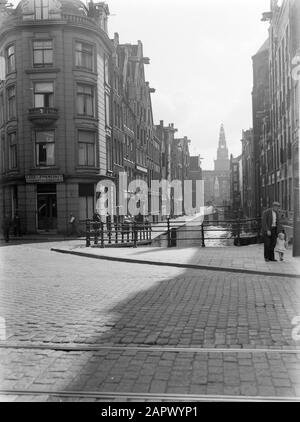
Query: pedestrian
point(17, 225)
point(6, 224)
point(281, 245)
point(270, 227)
point(72, 224)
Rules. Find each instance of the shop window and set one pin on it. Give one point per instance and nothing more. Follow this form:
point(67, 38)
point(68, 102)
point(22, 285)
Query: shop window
point(86, 201)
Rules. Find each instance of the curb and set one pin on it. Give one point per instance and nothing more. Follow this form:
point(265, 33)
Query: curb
point(169, 264)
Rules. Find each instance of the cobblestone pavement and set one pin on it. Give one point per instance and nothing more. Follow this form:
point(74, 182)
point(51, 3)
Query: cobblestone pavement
point(50, 300)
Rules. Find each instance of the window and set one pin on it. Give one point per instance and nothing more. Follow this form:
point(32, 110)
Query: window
point(1, 110)
point(11, 99)
point(12, 145)
point(44, 146)
point(10, 59)
point(86, 201)
point(108, 153)
point(86, 148)
point(107, 109)
point(106, 70)
point(84, 55)
point(41, 8)
point(43, 94)
point(85, 100)
point(42, 53)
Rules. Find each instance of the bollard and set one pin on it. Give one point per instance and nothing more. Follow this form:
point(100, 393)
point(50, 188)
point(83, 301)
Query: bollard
point(202, 234)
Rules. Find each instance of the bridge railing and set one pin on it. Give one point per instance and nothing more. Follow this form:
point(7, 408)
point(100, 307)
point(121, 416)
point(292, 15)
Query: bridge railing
point(174, 232)
point(101, 234)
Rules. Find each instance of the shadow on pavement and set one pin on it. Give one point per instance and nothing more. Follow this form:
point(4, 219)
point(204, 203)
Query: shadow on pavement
point(194, 309)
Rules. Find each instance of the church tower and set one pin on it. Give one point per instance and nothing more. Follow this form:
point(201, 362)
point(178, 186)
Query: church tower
point(222, 163)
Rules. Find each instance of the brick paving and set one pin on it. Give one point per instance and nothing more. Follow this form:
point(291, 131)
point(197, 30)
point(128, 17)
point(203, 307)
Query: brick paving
point(53, 299)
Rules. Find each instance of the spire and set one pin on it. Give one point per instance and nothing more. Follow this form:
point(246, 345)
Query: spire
point(222, 137)
point(222, 150)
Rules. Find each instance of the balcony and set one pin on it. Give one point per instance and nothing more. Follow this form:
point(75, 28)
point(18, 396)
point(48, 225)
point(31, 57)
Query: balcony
point(43, 116)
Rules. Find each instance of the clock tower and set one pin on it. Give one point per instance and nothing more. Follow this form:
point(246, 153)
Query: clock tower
point(222, 163)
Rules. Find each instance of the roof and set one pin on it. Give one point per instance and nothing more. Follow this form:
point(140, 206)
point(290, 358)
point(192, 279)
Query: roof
point(264, 47)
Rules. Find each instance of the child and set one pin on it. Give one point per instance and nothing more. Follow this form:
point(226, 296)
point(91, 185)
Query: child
point(281, 245)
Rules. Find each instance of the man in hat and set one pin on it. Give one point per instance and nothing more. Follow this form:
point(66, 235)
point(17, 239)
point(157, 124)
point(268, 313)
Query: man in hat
point(270, 226)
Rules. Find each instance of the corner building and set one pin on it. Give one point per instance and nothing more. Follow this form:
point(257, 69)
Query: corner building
point(54, 110)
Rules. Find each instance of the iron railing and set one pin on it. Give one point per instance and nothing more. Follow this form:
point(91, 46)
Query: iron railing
point(102, 234)
point(173, 232)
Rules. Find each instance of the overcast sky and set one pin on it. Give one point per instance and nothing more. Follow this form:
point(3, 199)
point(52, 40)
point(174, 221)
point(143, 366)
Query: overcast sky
point(201, 65)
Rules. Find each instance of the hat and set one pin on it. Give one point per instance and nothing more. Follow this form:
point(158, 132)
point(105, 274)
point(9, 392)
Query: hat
point(276, 204)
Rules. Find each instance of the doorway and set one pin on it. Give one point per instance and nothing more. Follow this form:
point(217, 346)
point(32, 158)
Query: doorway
point(46, 208)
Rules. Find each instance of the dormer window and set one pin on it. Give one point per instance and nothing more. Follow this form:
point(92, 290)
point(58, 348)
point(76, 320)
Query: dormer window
point(41, 9)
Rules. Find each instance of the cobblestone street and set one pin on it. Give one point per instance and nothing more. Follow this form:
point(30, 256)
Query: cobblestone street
point(99, 329)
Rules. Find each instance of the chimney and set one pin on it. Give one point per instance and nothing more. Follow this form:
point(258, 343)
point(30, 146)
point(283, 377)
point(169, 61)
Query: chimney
point(116, 38)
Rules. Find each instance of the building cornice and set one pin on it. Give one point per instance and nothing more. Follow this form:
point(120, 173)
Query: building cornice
point(67, 22)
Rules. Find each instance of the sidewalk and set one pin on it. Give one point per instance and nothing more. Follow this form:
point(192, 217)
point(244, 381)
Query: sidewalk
point(248, 259)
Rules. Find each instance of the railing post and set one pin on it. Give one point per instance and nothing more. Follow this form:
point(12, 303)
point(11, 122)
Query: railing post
point(88, 234)
point(108, 228)
point(102, 234)
point(169, 233)
point(238, 232)
point(116, 233)
point(96, 232)
point(122, 232)
point(202, 234)
point(134, 235)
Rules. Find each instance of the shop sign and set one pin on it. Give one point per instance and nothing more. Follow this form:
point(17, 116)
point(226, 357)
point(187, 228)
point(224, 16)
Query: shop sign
point(45, 178)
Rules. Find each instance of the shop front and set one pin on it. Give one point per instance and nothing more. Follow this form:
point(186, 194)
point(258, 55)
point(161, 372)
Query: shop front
point(45, 201)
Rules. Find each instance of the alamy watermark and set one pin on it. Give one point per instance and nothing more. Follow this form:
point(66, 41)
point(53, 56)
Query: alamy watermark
point(164, 197)
point(296, 330)
point(2, 329)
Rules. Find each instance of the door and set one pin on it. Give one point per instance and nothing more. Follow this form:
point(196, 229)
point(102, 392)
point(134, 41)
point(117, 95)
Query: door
point(47, 211)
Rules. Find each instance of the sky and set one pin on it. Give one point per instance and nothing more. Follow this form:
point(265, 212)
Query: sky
point(200, 63)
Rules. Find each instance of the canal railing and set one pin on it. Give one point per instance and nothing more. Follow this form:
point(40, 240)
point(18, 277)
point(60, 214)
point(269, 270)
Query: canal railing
point(171, 233)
